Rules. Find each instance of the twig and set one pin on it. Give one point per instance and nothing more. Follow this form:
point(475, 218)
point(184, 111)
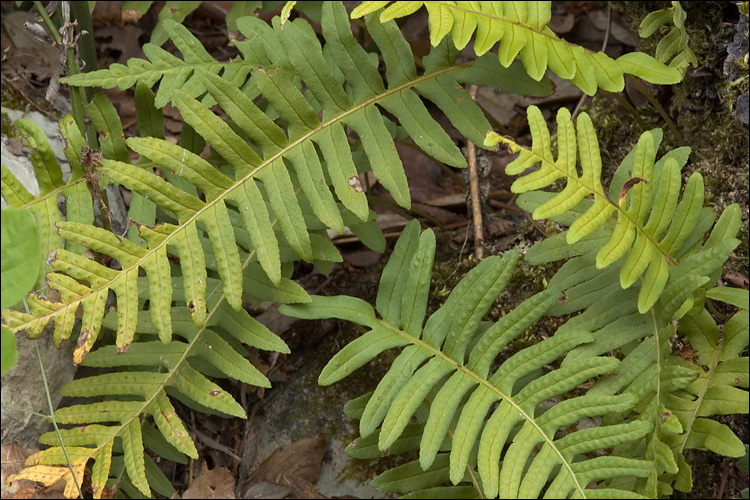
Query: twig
point(476, 202)
point(28, 99)
point(604, 47)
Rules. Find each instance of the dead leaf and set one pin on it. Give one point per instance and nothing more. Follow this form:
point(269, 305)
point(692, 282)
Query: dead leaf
point(13, 459)
point(267, 490)
point(562, 24)
point(24, 52)
point(215, 483)
point(362, 258)
point(302, 488)
point(289, 463)
point(738, 280)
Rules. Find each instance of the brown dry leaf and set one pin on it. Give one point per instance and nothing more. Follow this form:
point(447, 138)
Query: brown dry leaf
point(267, 490)
point(737, 279)
point(52, 475)
point(302, 488)
point(13, 457)
point(215, 483)
point(361, 258)
point(120, 42)
point(24, 52)
point(298, 460)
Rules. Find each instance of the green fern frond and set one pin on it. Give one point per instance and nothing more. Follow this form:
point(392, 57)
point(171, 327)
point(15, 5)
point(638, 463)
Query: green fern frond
point(169, 71)
point(673, 49)
point(653, 228)
point(721, 389)
point(147, 375)
point(448, 361)
point(49, 175)
point(280, 172)
point(521, 28)
point(656, 377)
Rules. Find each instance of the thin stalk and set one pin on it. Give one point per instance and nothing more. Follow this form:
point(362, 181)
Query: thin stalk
point(604, 47)
point(670, 123)
point(476, 202)
point(624, 102)
point(50, 25)
point(78, 98)
point(82, 15)
point(52, 418)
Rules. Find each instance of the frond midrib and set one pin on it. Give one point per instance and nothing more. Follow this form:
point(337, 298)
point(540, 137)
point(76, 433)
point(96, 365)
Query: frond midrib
point(701, 396)
point(238, 183)
point(437, 353)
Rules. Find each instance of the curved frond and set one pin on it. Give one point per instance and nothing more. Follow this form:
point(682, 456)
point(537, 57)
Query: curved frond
point(522, 31)
point(648, 370)
point(448, 366)
point(721, 389)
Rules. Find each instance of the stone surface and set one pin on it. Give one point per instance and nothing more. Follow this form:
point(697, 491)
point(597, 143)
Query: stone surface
point(23, 389)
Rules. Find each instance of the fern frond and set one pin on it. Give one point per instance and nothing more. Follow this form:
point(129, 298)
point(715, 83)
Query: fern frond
point(521, 28)
point(49, 175)
point(448, 362)
point(673, 49)
point(267, 174)
point(169, 71)
point(721, 389)
point(648, 370)
point(146, 376)
point(653, 228)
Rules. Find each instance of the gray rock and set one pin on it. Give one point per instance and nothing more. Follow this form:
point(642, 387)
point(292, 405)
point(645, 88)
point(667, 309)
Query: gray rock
point(23, 389)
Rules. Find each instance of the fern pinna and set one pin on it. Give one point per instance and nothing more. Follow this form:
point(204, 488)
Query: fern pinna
point(446, 378)
point(285, 171)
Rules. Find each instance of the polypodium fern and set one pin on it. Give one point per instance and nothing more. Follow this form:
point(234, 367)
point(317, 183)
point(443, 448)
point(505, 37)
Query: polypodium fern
point(521, 28)
point(612, 315)
point(653, 229)
point(447, 364)
point(721, 375)
point(259, 181)
point(145, 378)
point(673, 49)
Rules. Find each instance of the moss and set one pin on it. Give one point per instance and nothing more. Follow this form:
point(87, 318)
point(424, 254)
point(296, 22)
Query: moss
point(702, 106)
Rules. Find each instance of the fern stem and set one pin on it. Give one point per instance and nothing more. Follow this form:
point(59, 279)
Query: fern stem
point(52, 417)
point(604, 47)
point(624, 102)
point(82, 15)
point(667, 119)
point(50, 25)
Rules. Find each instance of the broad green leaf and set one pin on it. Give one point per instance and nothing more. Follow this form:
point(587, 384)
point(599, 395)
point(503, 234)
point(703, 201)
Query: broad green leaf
point(20, 255)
